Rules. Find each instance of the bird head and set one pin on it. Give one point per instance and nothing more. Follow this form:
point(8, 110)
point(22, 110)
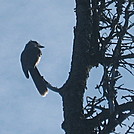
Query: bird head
point(33, 44)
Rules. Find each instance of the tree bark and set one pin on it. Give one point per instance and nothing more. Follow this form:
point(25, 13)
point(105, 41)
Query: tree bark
point(73, 90)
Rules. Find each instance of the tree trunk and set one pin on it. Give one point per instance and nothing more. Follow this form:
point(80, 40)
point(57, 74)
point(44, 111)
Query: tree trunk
point(73, 90)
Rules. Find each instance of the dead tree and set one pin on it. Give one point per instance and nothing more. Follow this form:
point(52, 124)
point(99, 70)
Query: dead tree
point(102, 37)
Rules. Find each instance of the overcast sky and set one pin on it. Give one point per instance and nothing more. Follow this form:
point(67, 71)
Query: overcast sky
point(22, 109)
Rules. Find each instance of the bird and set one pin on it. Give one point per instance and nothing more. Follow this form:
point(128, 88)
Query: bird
point(30, 58)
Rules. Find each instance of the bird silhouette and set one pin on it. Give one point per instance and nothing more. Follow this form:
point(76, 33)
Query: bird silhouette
point(30, 57)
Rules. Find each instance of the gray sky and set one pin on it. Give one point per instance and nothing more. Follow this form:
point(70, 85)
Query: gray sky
point(22, 109)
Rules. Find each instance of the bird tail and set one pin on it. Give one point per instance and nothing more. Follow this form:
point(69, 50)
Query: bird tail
point(39, 81)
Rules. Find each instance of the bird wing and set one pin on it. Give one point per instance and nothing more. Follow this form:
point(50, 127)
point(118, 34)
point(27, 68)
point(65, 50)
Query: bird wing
point(29, 59)
point(24, 64)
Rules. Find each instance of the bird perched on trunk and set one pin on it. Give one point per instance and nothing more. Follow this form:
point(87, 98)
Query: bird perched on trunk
point(30, 58)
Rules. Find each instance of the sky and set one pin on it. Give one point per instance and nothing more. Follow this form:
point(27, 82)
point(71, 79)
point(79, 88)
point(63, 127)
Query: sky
point(22, 109)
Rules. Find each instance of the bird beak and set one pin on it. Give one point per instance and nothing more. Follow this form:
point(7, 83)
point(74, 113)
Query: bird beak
point(41, 46)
